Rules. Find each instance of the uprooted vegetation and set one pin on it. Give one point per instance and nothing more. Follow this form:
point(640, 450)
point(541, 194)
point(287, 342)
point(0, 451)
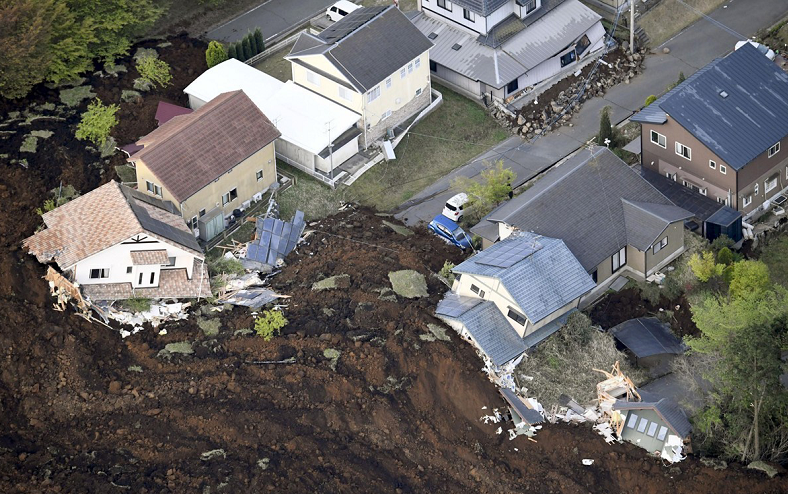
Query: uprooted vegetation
point(565, 363)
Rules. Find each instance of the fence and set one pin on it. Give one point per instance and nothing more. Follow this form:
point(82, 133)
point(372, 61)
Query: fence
point(312, 173)
point(436, 102)
point(278, 46)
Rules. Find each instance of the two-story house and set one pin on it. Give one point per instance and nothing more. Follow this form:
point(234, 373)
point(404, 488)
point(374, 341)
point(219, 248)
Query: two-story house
point(500, 49)
point(373, 62)
point(721, 131)
point(611, 218)
point(209, 162)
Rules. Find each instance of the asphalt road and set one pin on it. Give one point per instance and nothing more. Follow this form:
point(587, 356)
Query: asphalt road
point(690, 50)
point(272, 17)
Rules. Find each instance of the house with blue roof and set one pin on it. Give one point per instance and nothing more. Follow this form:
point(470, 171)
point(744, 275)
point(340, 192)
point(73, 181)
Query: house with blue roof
point(513, 295)
point(721, 131)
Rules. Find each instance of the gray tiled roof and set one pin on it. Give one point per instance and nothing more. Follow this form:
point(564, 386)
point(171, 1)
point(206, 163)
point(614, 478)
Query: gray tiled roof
point(645, 221)
point(367, 45)
point(647, 336)
point(702, 207)
point(492, 332)
point(668, 410)
point(455, 305)
point(580, 202)
point(540, 283)
point(740, 126)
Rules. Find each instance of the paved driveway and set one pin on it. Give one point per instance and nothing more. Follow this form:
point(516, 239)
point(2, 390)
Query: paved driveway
point(272, 17)
point(696, 46)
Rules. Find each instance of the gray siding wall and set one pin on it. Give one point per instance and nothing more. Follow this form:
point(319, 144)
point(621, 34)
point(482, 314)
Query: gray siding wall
point(675, 234)
point(649, 443)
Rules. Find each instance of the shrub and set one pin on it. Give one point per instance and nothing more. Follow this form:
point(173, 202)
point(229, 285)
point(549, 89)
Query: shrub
point(725, 256)
point(97, 122)
point(232, 51)
point(268, 324)
point(154, 71)
point(258, 38)
point(215, 54)
point(720, 242)
point(225, 265)
point(246, 49)
point(445, 271)
point(650, 100)
point(49, 205)
point(137, 304)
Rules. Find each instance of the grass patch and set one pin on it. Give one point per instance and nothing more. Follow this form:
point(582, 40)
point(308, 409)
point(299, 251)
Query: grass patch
point(276, 66)
point(669, 17)
point(137, 304)
point(29, 145)
point(126, 173)
point(455, 133)
point(309, 195)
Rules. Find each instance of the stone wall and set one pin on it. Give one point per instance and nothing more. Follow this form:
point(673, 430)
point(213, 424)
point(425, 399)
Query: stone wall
point(412, 108)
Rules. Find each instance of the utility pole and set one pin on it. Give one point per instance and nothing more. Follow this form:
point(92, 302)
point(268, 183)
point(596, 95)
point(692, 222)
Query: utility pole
point(632, 26)
point(330, 152)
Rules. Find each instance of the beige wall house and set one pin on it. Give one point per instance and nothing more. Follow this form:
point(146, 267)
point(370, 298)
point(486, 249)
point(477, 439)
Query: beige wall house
point(723, 132)
point(119, 243)
point(212, 161)
point(505, 298)
point(611, 218)
point(373, 62)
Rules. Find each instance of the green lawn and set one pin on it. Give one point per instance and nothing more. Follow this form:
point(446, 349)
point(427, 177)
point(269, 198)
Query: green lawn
point(446, 139)
point(309, 195)
point(276, 66)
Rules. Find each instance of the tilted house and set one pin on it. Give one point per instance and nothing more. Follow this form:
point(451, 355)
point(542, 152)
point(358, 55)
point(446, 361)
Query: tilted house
point(497, 49)
point(611, 218)
point(373, 62)
point(721, 131)
point(209, 162)
point(119, 243)
point(505, 297)
point(658, 426)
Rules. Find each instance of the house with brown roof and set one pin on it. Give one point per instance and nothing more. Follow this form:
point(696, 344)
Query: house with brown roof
point(118, 243)
point(210, 162)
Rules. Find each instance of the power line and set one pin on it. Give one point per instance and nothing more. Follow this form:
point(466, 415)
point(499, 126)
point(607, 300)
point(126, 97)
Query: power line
point(714, 21)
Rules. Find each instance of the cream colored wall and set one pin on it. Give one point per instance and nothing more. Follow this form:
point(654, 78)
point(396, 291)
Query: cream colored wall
point(321, 63)
point(327, 88)
point(241, 177)
point(494, 292)
point(552, 317)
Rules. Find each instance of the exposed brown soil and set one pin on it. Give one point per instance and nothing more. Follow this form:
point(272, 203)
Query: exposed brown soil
point(397, 414)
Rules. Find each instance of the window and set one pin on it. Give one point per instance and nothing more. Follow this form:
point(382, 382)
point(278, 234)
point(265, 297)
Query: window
point(170, 261)
point(722, 200)
point(683, 151)
point(444, 4)
point(312, 77)
point(582, 45)
point(96, 274)
point(153, 188)
point(229, 197)
point(658, 246)
point(388, 83)
point(712, 164)
point(516, 317)
point(642, 425)
point(512, 86)
point(373, 94)
point(468, 15)
point(633, 419)
point(530, 6)
point(410, 67)
point(386, 114)
point(140, 281)
point(434, 68)
point(723, 169)
point(402, 73)
point(747, 201)
point(475, 289)
point(568, 58)
point(756, 189)
point(202, 212)
point(662, 432)
point(417, 63)
point(774, 150)
point(193, 223)
point(770, 184)
point(129, 269)
point(233, 195)
point(152, 277)
point(259, 175)
point(345, 93)
point(418, 91)
point(619, 259)
point(594, 276)
point(652, 429)
point(658, 139)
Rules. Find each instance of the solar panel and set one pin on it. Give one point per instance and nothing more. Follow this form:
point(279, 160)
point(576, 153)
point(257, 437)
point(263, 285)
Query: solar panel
point(286, 228)
point(278, 225)
point(508, 255)
point(251, 251)
point(268, 225)
point(349, 23)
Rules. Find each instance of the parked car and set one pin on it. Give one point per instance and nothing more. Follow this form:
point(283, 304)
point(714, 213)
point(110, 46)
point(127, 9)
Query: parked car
point(340, 9)
point(454, 206)
point(450, 232)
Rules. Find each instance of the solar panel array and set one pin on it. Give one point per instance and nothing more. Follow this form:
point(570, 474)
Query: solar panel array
point(508, 255)
point(349, 23)
point(153, 225)
point(275, 239)
point(454, 305)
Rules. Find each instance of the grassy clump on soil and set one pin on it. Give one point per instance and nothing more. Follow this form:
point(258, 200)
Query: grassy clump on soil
point(435, 333)
point(29, 145)
point(408, 283)
point(126, 173)
point(310, 196)
point(407, 232)
point(137, 304)
point(773, 253)
point(74, 96)
point(181, 347)
point(565, 363)
point(669, 17)
point(209, 327)
point(333, 357)
point(339, 281)
point(453, 134)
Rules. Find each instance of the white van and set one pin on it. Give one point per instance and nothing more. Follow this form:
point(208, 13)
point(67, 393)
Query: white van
point(454, 207)
point(340, 9)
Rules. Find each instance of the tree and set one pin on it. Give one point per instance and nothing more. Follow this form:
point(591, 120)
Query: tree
point(231, 51)
point(748, 277)
point(97, 122)
point(155, 71)
point(725, 256)
point(704, 266)
point(246, 49)
point(605, 129)
point(258, 38)
point(268, 324)
point(215, 54)
point(650, 100)
point(494, 186)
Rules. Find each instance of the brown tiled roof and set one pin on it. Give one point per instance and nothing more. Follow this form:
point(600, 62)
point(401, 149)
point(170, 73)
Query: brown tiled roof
point(173, 283)
point(149, 257)
point(191, 151)
point(98, 220)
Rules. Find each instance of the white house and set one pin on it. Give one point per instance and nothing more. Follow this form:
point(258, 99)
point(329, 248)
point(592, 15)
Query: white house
point(499, 49)
point(514, 294)
point(118, 243)
point(373, 62)
point(317, 134)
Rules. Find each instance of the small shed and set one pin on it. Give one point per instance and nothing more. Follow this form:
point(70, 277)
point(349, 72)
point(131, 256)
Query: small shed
point(520, 411)
point(658, 427)
point(726, 221)
point(649, 340)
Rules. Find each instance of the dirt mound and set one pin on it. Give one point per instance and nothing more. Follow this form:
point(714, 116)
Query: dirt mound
point(85, 411)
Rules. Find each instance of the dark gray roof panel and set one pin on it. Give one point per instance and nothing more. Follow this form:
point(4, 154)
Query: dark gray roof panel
point(529, 415)
point(156, 226)
point(645, 222)
point(580, 202)
point(647, 336)
point(725, 216)
point(668, 410)
point(454, 305)
point(702, 207)
point(494, 335)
